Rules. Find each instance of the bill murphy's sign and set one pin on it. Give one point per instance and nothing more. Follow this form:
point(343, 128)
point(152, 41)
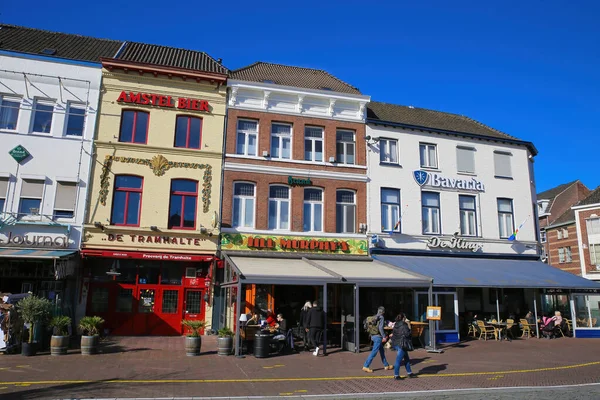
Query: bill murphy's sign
point(295, 244)
point(455, 243)
point(424, 178)
point(30, 240)
point(163, 101)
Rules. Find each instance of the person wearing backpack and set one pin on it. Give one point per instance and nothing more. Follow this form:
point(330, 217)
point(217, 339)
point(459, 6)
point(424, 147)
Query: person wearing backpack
point(374, 327)
point(401, 338)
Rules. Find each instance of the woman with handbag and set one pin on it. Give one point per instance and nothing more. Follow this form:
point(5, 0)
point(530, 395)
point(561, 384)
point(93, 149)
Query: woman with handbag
point(402, 343)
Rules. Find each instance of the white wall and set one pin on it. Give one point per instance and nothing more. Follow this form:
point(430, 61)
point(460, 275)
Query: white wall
point(54, 156)
point(401, 177)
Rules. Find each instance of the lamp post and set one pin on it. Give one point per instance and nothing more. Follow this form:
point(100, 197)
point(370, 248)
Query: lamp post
point(243, 319)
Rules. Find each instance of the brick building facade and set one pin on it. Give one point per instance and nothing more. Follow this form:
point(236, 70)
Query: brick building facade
point(587, 219)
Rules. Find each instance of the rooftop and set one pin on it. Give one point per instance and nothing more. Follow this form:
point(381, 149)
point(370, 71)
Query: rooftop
point(555, 191)
point(593, 198)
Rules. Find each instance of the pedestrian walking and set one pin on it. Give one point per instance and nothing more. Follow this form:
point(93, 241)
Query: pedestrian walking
point(401, 338)
point(316, 324)
point(304, 323)
point(374, 327)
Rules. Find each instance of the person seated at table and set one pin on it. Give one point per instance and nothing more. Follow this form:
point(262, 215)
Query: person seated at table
point(254, 319)
point(271, 319)
point(281, 324)
point(530, 318)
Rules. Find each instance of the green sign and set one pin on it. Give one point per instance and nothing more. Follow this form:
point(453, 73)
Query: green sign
point(299, 182)
point(19, 153)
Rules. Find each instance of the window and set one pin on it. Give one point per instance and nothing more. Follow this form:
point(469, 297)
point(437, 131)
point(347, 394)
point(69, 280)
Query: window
point(43, 111)
point(543, 236)
point(505, 218)
point(134, 127)
point(3, 192)
point(593, 226)
point(595, 253)
point(561, 255)
point(281, 141)
point(428, 153)
point(313, 210)
point(32, 192)
point(243, 205)
point(313, 144)
point(568, 255)
point(390, 210)
point(465, 160)
point(502, 164)
point(345, 211)
point(64, 201)
point(345, 147)
point(559, 234)
point(124, 300)
point(188, 132)
point(182, 208)
point(468, 215)
point(565, 233)
point(247, 136)
point(9, 112)
point(75, 120)
point(279, 207)
point(431, 213)
point(170, 301)
point(127, 200)
point(388, 151)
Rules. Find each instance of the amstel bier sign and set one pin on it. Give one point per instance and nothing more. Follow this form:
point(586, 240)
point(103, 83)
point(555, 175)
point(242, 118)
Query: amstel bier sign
point(293, 244)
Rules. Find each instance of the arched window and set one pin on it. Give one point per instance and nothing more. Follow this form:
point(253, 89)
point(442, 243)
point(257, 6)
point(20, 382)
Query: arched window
point(127, 200)
point(313, 210)
point(183, 204)
point(345, 211)
point(243, 204)
point(279, 207)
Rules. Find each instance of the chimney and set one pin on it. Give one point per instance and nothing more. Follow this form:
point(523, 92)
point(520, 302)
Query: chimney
point(220, 60)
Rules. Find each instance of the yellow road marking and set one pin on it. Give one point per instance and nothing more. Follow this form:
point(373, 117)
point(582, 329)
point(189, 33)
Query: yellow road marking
point(286, 394)
point(300, 391)
point(22, 366)
point(3, 387)
point(268, 367)
point(334, 378)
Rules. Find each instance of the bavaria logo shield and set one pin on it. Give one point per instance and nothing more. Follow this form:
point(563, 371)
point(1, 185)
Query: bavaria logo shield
point(421, 177)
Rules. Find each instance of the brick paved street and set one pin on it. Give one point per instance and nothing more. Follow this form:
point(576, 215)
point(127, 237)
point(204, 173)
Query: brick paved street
point(157, 367)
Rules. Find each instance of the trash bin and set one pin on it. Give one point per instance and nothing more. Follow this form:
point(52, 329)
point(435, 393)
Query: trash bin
point(261, 345)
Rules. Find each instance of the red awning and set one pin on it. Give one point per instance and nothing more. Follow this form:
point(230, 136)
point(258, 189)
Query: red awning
point(147, 256)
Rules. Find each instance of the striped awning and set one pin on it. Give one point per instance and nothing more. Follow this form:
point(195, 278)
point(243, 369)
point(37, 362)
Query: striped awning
point(34, 253)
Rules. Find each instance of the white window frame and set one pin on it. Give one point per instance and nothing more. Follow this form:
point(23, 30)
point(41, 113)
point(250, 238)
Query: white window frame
point(428, 230)
point(468, 212)
point(502, 214)
point(507, 154)
point(41, 199)
point(247, 133)
point(593, 259)
point(312, 204)
point(386, 155)
point(279, 205)
point(471, 151)
point(15, 99)
point(561, 255)
point(4, 196)
point(394, 226)
point(281, 137)
point(344, 206)
point(65, 209)
point(435, 303)
point(346, 145)
point(243, 212)
point(76, 106)
point(313, 142)
point(593, 230)
point(565, 233)
point(45, 102)
point(543, 237)
point(559, 234)
point(568, 254)
point(426, 163)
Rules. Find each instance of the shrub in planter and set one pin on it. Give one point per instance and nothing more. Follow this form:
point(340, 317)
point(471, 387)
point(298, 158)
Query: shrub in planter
point(90, 326)
point(59, 343)
point(193, 340)
point(224, 342)
point(33, 310)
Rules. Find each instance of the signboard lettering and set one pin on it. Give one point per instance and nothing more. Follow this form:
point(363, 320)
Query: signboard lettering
point(299, 182)
point(139, 239)
point(158, 100)
point(455, 242)
point(28, 240)
point(236, 241)
point(19, 153)
point(424, 178)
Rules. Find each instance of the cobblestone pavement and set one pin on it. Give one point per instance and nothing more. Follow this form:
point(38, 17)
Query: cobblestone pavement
point(138, 367)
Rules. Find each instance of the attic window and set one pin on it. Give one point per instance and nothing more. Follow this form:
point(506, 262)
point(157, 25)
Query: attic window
point(326, 88)
point(48, 52)
point(269, 81)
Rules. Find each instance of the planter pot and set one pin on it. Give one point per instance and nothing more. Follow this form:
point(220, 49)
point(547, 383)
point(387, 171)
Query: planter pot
point(224, 345)
point(59, 345)
point(89, 345)
point(193, 345)
point(29, 349)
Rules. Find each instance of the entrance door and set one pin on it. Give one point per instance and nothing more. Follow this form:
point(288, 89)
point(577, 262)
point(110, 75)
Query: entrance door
point(194, 305)
point(348, 317)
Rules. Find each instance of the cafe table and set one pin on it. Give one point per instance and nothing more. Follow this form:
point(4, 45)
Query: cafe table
point(500, 327)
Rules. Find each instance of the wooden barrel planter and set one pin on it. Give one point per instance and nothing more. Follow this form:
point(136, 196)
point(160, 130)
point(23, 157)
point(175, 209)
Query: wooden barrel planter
point(193, 345)
point(89, 345)
point(59, 345)
point(224, 345)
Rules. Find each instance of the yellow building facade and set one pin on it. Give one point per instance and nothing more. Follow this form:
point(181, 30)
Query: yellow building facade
point(151, 233)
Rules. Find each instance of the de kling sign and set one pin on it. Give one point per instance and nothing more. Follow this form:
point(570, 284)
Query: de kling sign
point(424, 178)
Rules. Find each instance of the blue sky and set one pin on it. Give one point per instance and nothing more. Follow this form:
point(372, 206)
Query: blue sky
point(530, 69)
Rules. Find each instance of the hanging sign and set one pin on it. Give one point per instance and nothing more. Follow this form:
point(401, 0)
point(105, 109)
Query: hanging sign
point(424, 178)
point(455, 243)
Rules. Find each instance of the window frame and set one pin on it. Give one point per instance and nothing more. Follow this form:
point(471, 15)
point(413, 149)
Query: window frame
point(16, 99)
point(345, 145)
point(561, 255)
point(593, 259)
point(509, 155)
point(511, 213)
point(76, 106)
point(388, 142)
point(4, 196)
point(430, 214)
point(243, 214)
point(183, 195)
point(394, 226)
point(312, 209)
point(568, 254)
point(127, 191)
point(55, 209)
point(421, 161)
point(246, 133)
point(279, 208)
point(188, 132)
point(136, 112)
point(543, 236)
point(338, 204)
point(565, 233)
point(588, 225)
point(281, 136)
point(472, 151)
point(41, 198)
point(313, 142)
point(44, 102)
point(468, 210)
point(559, 234)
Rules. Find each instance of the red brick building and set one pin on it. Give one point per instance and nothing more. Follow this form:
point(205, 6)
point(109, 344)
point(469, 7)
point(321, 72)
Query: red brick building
point(587, 221)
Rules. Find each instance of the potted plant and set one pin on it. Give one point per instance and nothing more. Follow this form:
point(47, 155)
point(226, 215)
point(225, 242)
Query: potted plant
point(59, 343)
point(90, 327)
point(193, 340)
point(224, 342)
point(34, 310)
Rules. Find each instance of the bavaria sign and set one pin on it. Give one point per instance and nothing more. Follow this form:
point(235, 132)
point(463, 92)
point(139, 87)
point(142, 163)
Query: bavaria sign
point(424, 178)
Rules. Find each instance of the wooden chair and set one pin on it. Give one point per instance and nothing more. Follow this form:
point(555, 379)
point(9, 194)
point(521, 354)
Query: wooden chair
point(525, 327)
point(486, 330)
point(570, 325)
point(472, 330)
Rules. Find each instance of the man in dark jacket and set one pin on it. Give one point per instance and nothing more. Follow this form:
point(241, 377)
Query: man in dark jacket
point(316, 324)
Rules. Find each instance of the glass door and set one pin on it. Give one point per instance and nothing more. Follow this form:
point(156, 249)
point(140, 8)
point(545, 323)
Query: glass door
point(448, 301)
point(348, 317)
